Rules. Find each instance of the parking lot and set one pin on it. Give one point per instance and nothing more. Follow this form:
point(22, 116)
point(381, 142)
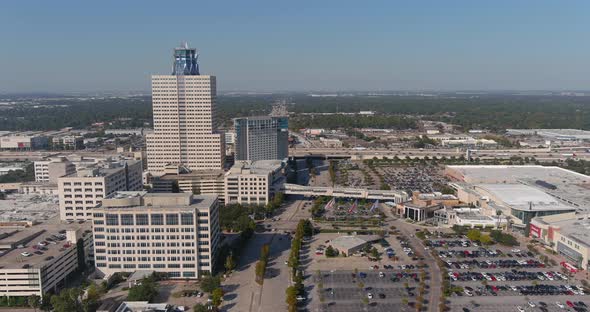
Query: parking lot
point(480, 276)
point(383, 289)
point(511, 304)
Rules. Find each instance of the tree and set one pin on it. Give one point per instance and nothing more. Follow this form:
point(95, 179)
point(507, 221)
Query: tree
point(485, 239)
point(200, 308)
point(145, 291)
point(46, 303)
point(217, 296)
point(68, 300)
point(375, 253)
point(34, 302)
point(210, 283)
point(260, 271)
point(474, 235)
point(331, 252)
point(307, 228)
point(230, 264)
point(291, 296)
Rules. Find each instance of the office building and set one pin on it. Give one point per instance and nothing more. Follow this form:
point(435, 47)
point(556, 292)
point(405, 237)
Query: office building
point(199, 182)
point(254, 183)
point(175, 233)
point(184, 112)
point(48, 171)
point(37, 259)
point(68, 142)
point(83, 190)
point(261, 138)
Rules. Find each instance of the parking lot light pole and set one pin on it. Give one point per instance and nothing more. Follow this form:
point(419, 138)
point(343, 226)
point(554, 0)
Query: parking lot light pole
point(332, 283)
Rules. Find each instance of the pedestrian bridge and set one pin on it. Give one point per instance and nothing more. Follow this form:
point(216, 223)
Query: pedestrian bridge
point(395, 196)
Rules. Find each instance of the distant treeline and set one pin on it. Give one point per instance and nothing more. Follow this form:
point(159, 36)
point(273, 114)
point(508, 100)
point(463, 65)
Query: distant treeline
point(495, 112)
point(352, 121)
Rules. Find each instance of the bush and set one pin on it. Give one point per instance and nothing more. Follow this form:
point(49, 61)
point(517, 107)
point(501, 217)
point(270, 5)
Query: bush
point(146, 291)
point(331, 252)
point(504, 238)
point(210, 283)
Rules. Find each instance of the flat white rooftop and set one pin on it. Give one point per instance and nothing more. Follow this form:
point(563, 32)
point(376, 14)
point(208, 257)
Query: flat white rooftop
point(523, 197)
point(567, 186)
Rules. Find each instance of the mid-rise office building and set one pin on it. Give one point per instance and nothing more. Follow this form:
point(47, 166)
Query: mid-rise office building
point(261, 138)
point(254, 183)
point(83, 190)
point(185, 126)
point(199, 182)
point(48, 171)
point(174, 233)
point(68, 142)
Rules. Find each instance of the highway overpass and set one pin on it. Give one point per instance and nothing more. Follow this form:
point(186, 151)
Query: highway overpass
point(394, 196)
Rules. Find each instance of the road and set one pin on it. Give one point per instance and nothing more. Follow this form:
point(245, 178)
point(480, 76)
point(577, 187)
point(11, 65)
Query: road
point(243, 294)
point(434, 272)
point(539, 154)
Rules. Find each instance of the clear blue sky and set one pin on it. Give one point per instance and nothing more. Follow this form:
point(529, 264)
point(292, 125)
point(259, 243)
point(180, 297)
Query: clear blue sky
point(298, 45)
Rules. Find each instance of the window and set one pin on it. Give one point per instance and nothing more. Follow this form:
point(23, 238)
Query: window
point(126, 219)
point(157, 219)
point(188, 274)
point(186, 218)
point(141, 219)
point(171, 219)
point(112, 219)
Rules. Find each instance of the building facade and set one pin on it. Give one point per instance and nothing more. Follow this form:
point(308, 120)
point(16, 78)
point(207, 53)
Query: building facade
point(253, 183)
point(24, 142)
point(261, 138)
point(48, 171)
point(177, 233)
point(80, 192)
point(185, 126)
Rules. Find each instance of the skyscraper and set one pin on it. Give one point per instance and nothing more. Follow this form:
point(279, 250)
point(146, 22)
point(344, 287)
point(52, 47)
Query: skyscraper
point(184, 109)
point(262, 138)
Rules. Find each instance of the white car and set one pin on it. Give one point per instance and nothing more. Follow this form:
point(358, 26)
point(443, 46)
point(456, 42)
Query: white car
point(468, 293)
point(381, 274)
point(520, 309)
point(370, 295)
point(559, 304)
point(25, 254)
point(532, 304)
point(300, 298)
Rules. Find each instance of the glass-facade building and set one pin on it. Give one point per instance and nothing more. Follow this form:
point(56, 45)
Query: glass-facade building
point(185, 61)
point(262, 138)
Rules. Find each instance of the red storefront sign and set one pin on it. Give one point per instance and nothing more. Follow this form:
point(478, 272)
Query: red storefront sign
point(534, 231)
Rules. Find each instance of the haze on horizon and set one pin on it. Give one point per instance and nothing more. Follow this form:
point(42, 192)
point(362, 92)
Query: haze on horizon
point(68, 46)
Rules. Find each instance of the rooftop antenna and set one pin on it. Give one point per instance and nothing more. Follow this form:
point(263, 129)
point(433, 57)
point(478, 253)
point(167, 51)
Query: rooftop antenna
point(184, 44)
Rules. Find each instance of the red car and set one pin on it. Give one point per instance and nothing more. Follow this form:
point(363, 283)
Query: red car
point(570, 304)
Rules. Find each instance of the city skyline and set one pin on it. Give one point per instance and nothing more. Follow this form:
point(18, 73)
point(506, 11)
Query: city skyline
point(454, 45)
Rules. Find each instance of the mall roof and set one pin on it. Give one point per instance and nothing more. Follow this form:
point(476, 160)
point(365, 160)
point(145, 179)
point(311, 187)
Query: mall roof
point(523, 197)
point(577, 228)
point(567, 186)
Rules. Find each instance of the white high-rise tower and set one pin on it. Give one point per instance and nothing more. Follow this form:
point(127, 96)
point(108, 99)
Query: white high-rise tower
point(185, 129)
